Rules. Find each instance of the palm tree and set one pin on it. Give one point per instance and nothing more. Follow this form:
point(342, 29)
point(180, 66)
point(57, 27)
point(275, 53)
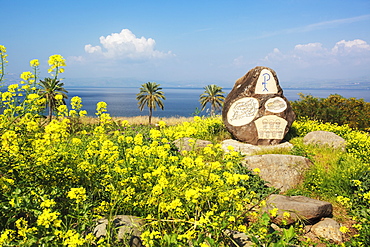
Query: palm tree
point(214, 95)
point(150, 96)
point(49, 88)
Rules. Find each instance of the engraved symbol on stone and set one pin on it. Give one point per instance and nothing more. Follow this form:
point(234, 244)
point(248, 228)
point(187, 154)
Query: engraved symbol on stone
point(270, 127)
point(266, 77)
point(243, 111)
point(276, 105)
point(266, 83)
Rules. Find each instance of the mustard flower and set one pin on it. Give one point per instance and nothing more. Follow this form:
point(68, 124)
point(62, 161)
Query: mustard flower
point(7, 235)
point(125, 123)
point(256, 170)
point(344, 201)
point(76, 103)
point(58, 97)
point(105, 118)
point(6, 96)
point(73, 239)
point(22, 226)
point(79, 194)
point(32, 96)
point(286, 215)
point(2, 49)
point(138, 139)
point(76, 141)
point(343, 229)
point(162, 124)
point(155, 134)
point(55, 62)
point(27, 75)
point(82, 113)
point(273, 212)
point(12, 87)
point(48, 203)
point(192, 195)
point(34, 63)
point(72, 113)
point(48, 218)
point(357, 182)
point(101, 106)
point(62, 110)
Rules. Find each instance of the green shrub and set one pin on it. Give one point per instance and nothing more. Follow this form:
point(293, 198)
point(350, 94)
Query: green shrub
point(334, 109)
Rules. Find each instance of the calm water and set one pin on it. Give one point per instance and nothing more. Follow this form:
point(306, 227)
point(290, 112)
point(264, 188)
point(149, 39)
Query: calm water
point(179, 101)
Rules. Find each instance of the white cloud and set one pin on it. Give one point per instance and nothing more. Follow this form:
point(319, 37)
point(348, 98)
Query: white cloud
point(312, 51)
point(125, 45)
point(350, 47)
point(345, 58)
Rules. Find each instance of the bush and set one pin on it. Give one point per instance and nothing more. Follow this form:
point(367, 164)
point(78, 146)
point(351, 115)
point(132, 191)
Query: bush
point(334, 109)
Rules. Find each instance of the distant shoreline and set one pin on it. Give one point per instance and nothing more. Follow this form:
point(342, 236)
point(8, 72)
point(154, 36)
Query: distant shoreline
point(229, 88)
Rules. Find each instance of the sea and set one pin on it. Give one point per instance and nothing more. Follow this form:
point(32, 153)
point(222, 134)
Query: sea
point(182, 102)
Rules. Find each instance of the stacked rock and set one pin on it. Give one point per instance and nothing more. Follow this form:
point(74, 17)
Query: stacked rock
point(256, 111)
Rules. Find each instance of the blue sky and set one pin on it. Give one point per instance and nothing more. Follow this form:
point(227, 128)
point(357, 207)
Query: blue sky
point(190, 43)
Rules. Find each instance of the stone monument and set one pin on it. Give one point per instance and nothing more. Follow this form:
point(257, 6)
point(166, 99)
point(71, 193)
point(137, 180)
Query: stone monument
point(256, 111)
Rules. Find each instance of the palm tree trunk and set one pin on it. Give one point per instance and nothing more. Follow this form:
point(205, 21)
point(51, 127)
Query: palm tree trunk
point(150, 115)
point(50, 112)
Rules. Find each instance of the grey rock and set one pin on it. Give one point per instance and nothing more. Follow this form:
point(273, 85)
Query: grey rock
point(127, 229)
point(253, 97)
point(184, 144)
point(299, 207)
point(280, 171)
point(247, 149)
point(328, 229)
point(238, 239)
point(325, 138)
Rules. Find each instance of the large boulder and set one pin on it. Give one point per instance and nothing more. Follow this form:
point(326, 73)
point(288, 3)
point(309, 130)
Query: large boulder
point(299, 208)
point(256, 111)
point(189, 144)
point(328, 229)
point(325, 138)
point(280, 171)
point(248, 149)
point(127, 227)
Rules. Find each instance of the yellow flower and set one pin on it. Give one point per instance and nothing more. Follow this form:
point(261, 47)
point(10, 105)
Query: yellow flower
point(257, 170)
point(286, 215)
point(2, 49)
point(162, 124)
point(231, 219)
point(48, 203)
point(343, 229)
point(76, 141)
point(58, 97)
point(7, 235)
point(73, 239)
point(56, 61)
point(32, 96)
point(76, 103)
point(101, 106)
point(125, 123)
point(273, 212)
point(27, 75)
point(34, 63)
point(77, 193)
point(48, 218)
point(72, 113)
point(82, 113)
